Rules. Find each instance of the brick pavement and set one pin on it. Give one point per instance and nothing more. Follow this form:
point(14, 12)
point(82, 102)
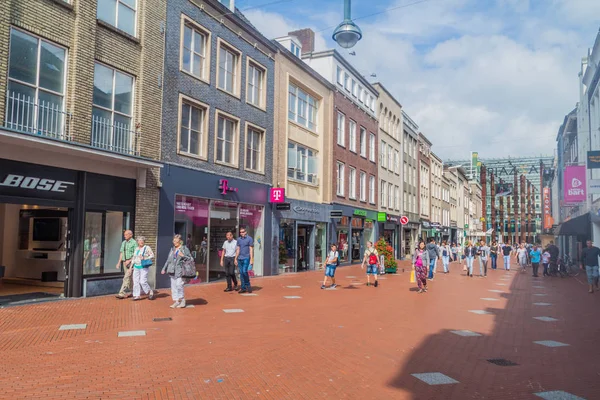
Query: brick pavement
point(355, 342)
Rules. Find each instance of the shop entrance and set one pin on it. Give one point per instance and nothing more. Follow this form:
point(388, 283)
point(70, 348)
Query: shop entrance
point(34, 244)
point(305, 248)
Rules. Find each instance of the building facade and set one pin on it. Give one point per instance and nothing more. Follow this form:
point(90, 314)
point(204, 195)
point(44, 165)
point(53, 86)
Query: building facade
point(390, 181)
point(446, 209)
point(302, 158)
point(218, 107)
point(437, 168)
point(355, 153)
point(79, 140)
point(410, 184)
point(451, 178)
point(425, 188)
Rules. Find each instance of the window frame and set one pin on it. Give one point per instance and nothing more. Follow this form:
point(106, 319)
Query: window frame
point(390, 158)
point(112, 109)
point(352, 183)
point(383, 193)
point(306, 173)
point(116, 14)
point(339, 75)
point(250, 62)
point(262, 151)
point(352, 136)
point(236, 139)
point(340, 179)
point(383, 155)
point(341, 129)
point(363, 142)
point(204, 139)
point(310, 96)
point(362, 183)
point(372, 147)
point(207, 48)
point(372, 189)
point(237, 83)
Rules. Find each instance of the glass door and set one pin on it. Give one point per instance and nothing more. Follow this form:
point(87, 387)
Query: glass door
point(223, 218)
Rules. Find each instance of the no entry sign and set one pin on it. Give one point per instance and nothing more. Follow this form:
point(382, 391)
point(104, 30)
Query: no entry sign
point(404, 220)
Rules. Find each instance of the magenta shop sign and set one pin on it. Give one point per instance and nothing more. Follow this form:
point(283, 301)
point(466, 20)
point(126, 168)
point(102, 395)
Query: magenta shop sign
point(225, 188)
point(277, 195)
point(575, 184)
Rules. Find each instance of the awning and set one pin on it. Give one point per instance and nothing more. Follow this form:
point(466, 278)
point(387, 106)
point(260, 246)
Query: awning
point(577, 226)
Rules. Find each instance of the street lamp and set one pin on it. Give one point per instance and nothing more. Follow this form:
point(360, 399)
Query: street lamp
point(347, 34)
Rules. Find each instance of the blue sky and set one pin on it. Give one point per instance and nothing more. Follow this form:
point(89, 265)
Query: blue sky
point(494, 76)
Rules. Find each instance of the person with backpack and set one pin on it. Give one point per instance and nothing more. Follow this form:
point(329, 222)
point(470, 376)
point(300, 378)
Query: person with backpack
point(433, 251)
point(372, 258)
point(446, 252)
point(332, 262)
point(174, 266)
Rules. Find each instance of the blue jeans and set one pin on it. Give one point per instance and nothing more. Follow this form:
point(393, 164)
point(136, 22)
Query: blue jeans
point(244, 267)
point(469, 265)
point(446, 261)
point(507, 262)
point(431, 267)
point(494, 261)
point(592, 274)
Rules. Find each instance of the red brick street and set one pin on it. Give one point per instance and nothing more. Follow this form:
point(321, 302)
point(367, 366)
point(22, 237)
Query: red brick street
point(354, 342)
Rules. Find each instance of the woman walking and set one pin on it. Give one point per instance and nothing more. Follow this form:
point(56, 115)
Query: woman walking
point(142, 261)
point(446, 252)
point(420, 263)
point(454, 250)
point(522, 257)
point(470, 252)
point(174, 267)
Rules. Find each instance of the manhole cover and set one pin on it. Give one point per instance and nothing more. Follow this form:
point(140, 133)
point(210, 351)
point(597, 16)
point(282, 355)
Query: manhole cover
point(162, 319)
point(502, 362)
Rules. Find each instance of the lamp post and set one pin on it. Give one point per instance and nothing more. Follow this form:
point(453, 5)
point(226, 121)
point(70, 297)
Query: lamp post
point(347, 34)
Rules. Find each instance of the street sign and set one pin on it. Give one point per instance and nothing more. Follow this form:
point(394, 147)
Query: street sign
point(283, 206)
point(404, 220)
point(335, 214)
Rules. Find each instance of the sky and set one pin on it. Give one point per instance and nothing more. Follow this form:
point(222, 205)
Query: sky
point(493, 76)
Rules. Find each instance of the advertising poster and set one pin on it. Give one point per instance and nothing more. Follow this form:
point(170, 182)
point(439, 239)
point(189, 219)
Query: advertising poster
point(575, 184)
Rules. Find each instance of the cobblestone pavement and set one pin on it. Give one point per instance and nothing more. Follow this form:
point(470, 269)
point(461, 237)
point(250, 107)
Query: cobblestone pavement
point(295, 341)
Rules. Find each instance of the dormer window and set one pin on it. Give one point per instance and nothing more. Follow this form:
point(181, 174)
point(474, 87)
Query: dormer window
point(295, 49)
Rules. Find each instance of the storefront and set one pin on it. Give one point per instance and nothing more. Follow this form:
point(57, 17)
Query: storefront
point(202, 208)
point(301, 230)
point(352, 231)
point(426, 230)
point(63, 227)
point(389, 228)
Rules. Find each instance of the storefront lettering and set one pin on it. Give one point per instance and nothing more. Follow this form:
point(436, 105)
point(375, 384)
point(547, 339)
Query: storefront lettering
point(224, 187)
point(362, 213)
point(29, 182)
point(303, 210)
point(184, 206)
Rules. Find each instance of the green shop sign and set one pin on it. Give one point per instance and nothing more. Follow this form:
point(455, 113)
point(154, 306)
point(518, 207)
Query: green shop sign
point(466, 226)
point(362, 213)
point(381, 217)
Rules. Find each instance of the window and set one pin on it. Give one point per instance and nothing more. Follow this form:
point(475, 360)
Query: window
point(112, 110)
point(352, 137)
point(390, 195)
point(354, 88)
point(256, 81)
point(363, 142)
point(118, 13)
point(228, 75)
point(340, 179)
point(226, 133)
point(372, 147)
point(372, 189)
point(341, 129)
point(346, 81)
point(397, 162)
point(390, 156)
point(295, 49)
point(302, 108)
point(383, 194)
point(191, 131)
point(352, 183)
point(302, 163)
point(254, 145)
point(340, 76)
point(193, 53)
point(397, 197)
point(383, 153)
point(363, 186)
point(361, 94)
point(36, 85)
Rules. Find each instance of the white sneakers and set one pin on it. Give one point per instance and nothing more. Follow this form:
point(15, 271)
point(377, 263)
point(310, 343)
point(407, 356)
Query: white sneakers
point(181, 304)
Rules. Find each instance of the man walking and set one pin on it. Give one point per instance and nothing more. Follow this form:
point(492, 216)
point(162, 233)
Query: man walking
point(433, 251)
point(536, 255)
point(506, 252)
point(590, 260)
point(244, 259)
point(483, 252)
point(554, 253)
point(228, 261)
point(127, 252)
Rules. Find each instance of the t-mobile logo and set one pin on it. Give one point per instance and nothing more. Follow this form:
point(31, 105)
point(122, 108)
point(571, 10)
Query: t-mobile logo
point(224, 187)
point(277, 195)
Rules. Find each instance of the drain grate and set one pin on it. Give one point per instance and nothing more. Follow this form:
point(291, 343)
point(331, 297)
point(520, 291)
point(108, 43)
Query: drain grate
point(162, 319)
point(502, 362)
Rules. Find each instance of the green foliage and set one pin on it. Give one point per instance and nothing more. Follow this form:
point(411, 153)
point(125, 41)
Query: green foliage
point(282, 253)
point(384, 249)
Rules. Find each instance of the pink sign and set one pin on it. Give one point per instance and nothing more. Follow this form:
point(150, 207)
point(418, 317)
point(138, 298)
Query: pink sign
point(575, 184)
point(277, 195)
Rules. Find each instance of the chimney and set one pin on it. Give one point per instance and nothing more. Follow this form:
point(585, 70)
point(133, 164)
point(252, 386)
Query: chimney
point(306, 37)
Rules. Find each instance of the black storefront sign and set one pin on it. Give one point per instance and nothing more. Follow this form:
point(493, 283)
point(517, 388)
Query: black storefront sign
point(336, 213)
point(393, 219)
point(283, 206)
point(593, 159)
point(426, 224)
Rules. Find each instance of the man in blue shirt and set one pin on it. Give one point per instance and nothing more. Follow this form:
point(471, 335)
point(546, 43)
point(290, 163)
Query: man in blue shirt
point(244, 259)
point(536, 255)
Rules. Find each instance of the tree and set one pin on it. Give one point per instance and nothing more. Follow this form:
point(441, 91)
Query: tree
point(385, 250)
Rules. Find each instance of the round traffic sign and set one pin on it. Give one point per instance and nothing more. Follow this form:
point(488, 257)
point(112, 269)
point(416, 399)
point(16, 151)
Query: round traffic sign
point(404, 220)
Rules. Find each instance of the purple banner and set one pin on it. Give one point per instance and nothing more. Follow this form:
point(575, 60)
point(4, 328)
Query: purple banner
point(575, 184)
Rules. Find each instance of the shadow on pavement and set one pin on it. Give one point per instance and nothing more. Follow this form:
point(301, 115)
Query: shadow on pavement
point(197, 302)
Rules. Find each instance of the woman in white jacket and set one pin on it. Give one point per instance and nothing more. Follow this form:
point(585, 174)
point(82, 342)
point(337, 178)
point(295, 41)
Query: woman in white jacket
point(142, 261)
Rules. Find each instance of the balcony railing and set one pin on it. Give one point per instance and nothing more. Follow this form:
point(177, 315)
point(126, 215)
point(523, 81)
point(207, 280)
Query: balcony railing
point(41, 118)
point(117, 137)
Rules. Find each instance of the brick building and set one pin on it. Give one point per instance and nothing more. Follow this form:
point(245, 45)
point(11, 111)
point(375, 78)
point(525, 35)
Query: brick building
point(354, 153)
point(79, 138)
point(410, 183)
point(217, 125)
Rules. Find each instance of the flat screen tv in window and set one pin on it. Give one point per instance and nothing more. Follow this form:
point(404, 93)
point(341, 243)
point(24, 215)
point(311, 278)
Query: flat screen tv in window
point(46, 229)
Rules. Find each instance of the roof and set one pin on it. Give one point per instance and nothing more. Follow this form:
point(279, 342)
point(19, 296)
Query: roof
point(284, 51)
point(380, 85)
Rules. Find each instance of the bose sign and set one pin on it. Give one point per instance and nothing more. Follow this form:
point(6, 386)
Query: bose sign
point(33, 183)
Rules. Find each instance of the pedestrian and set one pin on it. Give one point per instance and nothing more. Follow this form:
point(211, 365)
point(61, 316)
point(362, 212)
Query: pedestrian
point(189, 243)
point(535, 255)
point(420, 263)
point(470, 252)
point(228, 261)
point(371, 258)
point(494, 254)
point(142, 261)
point(433, 250)
point(506, 252)
point(244, 259)
point(522, 257)
point(590, 259)
point(554, 253)
point(546, 262)
point(446, 252)
point(333, 260)
point(483, 251)
point(174, 267)
point(454, 250)
point(128, 247)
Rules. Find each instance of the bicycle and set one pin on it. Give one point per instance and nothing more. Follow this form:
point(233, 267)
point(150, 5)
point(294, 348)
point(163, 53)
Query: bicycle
point(566, 267)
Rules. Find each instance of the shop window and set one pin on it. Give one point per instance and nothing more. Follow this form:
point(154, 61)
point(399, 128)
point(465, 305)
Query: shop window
point(191, 222)
point(251, 218)
point(286, 253)
point(103, 234)
point(342, 238)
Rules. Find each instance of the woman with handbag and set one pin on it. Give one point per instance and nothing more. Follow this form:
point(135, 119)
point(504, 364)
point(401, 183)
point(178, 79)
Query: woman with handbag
point(142, 261)
point(420, 264)
point(178, 255)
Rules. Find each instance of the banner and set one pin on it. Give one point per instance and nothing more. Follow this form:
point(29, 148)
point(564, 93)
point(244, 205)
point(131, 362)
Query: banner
point(575, 184)
point(593, 159)
point(504, 189)
point(547, 208)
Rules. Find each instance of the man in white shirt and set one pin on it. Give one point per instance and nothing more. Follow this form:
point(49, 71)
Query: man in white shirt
point(228, 261)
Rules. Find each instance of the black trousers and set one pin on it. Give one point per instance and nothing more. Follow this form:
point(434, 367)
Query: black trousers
point(535, 268)
point(229, 264)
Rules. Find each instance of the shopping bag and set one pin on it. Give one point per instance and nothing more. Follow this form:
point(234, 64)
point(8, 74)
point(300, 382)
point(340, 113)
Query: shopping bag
point(412, 277)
